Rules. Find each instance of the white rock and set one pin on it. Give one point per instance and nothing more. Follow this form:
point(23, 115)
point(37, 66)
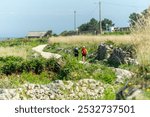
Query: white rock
point(31, 86)
point(2, 97)
point(122, 74)
point(92, 86)
point(84, 89)
point(138, 94)
point(91, 81)
point(80, 94)
point(77, 89)
point(52, 97)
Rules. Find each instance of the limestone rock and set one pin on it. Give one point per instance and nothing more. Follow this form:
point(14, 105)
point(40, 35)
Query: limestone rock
point(102, 52)
point(122, 74)
point(137, 95)
point(82, 89)
point(117, 57)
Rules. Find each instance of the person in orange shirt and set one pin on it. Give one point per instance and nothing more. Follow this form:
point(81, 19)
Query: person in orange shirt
point(84, 53)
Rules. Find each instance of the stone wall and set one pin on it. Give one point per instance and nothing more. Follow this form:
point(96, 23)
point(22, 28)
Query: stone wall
point(57, 90)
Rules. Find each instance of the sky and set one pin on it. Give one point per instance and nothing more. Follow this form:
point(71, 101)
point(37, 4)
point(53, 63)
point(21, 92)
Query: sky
point(18, 17)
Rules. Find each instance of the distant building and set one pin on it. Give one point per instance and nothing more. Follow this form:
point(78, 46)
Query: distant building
point(111, 29)
point(39, 34)
point(122, 29)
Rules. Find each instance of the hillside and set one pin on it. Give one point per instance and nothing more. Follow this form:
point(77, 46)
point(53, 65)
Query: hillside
point(112, 69)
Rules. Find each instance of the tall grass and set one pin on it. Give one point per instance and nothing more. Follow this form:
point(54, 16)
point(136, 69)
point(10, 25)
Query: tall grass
point(13, 51)
point(90, 39)
point(141, 38)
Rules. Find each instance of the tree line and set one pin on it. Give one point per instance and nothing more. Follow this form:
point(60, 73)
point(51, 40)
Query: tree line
point(93, 25)
point(135, 17)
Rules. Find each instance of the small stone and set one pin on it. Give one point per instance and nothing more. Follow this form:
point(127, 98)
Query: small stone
point(31, 86)
point(91, 81)
point(77, 89)
point(52, 97)
point(80, 94)
point(84, 89)
point(92, 86)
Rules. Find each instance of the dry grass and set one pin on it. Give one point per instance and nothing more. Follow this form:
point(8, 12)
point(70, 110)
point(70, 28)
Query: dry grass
point(13, 51)
point(141, 38)
point(90, 39)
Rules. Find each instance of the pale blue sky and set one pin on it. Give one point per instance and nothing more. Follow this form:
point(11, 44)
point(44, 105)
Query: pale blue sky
point(17, 17)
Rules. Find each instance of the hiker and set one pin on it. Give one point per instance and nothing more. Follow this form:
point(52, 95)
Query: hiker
point(76, 52)
point(84, 53)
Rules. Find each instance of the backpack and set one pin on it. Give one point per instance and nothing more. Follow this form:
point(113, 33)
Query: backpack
point(84, 52)
point(76, 51)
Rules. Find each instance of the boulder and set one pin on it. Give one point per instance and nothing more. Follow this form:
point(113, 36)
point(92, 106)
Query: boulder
point(117, 57)
point(136, 95)
point(122, 75)
point(101, 52)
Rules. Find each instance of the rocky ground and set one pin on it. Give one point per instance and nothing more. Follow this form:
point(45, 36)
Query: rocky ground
point(57, 90)
point(67, 90)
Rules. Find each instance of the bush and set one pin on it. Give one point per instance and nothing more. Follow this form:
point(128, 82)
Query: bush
point(9, 68)
point(10, 64)
point(109, 94)
point(68, 33)
point(72, 65)
point(17, 65)
point(11, 58)
point(105, 74)
point(37, 66)
point(52, 65)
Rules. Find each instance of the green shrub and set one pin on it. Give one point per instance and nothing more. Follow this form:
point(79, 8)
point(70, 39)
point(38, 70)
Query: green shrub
point(109, 42)
point(109, 94)
point(10, 64)
point(11, 58)
point(36, 66)
point(52, 65)
point(17, 65)
point(9, 68)
point(72, 65)
point(42, 78)
point(105, 74)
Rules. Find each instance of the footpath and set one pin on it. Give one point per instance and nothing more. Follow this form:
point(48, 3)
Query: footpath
point(46, 55)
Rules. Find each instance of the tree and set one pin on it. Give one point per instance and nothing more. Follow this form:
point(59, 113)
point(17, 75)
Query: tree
point(83, 27)
point(68, 33)
point(106, 23)
point(92, 25)
point(146, 13)
point(134, 17)
point(49, 32)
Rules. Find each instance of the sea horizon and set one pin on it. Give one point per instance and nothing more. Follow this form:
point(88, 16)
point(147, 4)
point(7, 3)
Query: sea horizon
point(5, 38)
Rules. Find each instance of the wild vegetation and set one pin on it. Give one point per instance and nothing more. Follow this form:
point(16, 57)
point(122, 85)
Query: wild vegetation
point(20, 65)
point(17, 70)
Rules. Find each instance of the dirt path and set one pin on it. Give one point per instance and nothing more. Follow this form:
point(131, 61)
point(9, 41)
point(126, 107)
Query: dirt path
point(45, 55)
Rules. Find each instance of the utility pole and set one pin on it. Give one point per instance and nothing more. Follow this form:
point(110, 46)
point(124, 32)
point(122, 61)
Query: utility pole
point(74, 20)
point(100, 18)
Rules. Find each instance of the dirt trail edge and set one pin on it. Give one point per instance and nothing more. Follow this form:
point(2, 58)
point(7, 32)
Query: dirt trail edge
point(45, 55)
